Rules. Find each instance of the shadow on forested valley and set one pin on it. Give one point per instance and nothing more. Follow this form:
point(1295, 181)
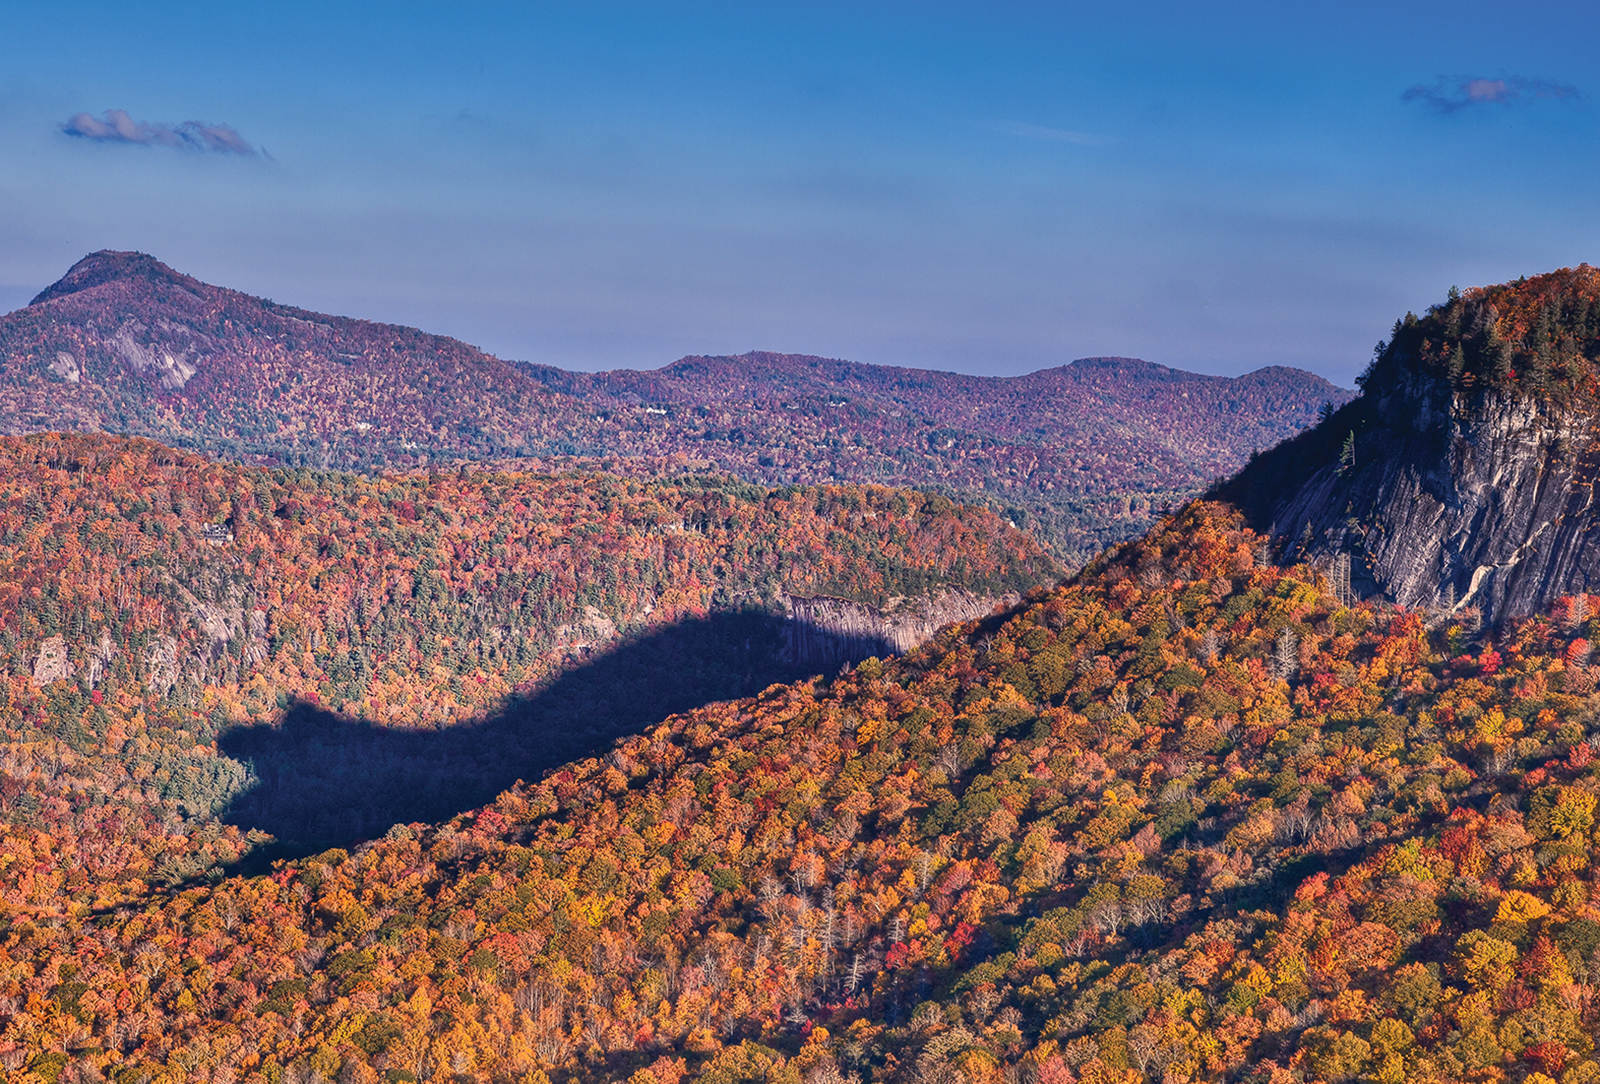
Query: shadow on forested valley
point(327, 780)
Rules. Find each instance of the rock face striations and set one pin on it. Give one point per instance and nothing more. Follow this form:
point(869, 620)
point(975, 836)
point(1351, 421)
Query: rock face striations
point(1464, 474)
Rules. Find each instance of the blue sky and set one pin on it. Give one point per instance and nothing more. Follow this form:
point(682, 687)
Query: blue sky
point(988, 188)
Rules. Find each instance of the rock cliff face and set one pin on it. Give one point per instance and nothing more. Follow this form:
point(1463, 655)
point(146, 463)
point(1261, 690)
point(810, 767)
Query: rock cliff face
point(825, 632)
point(1446, 491)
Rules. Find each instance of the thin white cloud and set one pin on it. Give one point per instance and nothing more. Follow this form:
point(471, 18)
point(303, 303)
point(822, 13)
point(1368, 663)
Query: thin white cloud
point(1041, 134)
point(115, 126)
point(1454, 93)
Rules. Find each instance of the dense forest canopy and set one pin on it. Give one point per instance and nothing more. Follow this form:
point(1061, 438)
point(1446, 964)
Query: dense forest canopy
point(1539, 336)
point(1189, 817)
point(405, 647)
point(1199, 813)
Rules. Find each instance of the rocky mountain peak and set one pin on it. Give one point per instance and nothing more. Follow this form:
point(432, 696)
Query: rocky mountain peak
point(1462, 479)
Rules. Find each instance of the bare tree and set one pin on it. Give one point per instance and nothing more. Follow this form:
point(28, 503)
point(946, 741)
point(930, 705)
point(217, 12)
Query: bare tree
point(1339, 580)
point(857, 970)
point(770, 891)
point(827, 1072)
point(1294, 822)
point(1108, 916)
point(1286, 656)
point(829, 935)
point(1118, 701)
point(1144, 911)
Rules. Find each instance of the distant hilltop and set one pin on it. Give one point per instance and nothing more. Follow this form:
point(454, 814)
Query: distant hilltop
point(1082, 454)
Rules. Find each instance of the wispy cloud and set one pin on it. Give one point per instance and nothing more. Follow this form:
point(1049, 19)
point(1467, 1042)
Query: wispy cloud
point(115, 126)
point(1454, 93)
point(1041, 134)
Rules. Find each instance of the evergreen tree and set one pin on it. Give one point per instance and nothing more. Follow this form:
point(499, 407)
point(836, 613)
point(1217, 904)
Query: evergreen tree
point(1498, 353)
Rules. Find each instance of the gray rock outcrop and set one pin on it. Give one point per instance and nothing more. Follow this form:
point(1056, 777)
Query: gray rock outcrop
point(53, 663)
point(1444, 498)
point(825, 631)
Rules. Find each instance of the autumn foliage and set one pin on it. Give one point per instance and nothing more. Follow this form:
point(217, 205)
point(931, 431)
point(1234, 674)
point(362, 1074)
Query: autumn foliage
point(1186, 817)
point(1537, 336)
point(1086, 453)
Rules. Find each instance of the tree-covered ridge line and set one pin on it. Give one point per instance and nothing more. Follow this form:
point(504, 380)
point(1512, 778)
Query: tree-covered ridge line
point(1539, 336)
point(105, 540)
point(1082, 454)
point(1189, 817)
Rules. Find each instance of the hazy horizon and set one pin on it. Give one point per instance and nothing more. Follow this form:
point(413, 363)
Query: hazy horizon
point(8, 309)
point(988, 191)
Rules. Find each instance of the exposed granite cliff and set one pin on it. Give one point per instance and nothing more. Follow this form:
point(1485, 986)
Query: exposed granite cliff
point(826, 631)
point(1450, 487)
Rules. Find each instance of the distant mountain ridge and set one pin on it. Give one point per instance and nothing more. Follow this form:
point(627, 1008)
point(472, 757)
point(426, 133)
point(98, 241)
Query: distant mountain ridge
point(1040, 405)
point(1082, 454)
point(124, 343)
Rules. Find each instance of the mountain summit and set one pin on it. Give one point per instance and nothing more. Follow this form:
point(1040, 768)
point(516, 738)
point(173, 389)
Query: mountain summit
point(1464, 474)
point(124, 343)
point(108, 266)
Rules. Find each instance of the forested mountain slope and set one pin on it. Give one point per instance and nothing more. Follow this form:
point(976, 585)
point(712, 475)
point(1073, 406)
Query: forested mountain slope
point(125, 344)
point(1188, 817)
point(401, 648)
point(1082, 455)
point(1087, 452)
